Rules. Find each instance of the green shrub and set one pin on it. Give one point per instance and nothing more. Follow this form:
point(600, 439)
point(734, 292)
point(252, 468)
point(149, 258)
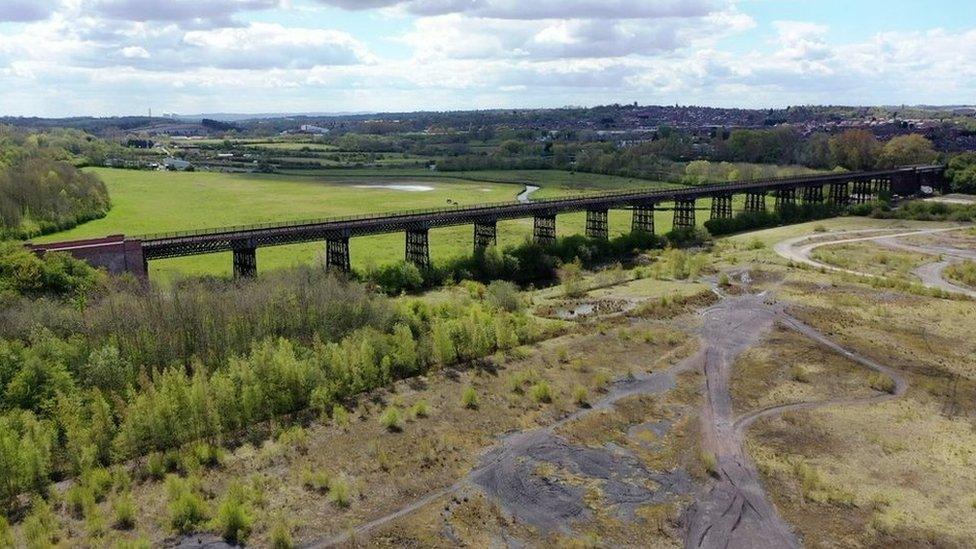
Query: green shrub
point(121, 481)
point(964, 272)
point(581, 396)
point(94, 522)
point(520, 379)
point(420, 409)
point(187, 509)
point(341, 492)
point(602, 379)
point(99, 481)
point(317, 481)
point(206, 454)
point(40, 529)
point(340, 416)
point(125, 512)
point(156, 467)
point(815, 489)
point(562, 355)
point(882, 382)
point(294, 437)
point(710, 462)
point(504, 295)
point(79, 499)
point(6, 533)
point(281, 536)
point(541, 392)
point(22, 272)
point(234, 520)
point(469, 398)
point(800, 373)
point(572, 278)
point(390, 419)
point(397, 278)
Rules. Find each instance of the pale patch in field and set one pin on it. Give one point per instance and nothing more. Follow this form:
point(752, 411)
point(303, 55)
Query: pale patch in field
point(406, 188)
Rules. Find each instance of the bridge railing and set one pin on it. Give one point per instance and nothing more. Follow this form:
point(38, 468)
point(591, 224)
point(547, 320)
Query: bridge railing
point(646, 192)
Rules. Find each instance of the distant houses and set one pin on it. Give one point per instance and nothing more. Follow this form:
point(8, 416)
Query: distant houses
point(308, 128)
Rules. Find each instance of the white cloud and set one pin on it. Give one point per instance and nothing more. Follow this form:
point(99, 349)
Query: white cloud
point(26, 10)
point(82, 56)
point(461, 36)
point(196, 12)
point(134, 52)
point(544, 9)
point(266, 46)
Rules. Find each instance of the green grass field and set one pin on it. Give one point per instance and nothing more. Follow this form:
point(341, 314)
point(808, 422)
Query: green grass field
point(553, 182)
point(151, 202)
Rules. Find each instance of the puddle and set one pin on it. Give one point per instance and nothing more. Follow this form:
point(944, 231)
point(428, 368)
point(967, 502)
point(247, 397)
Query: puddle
point(405, 188)
point(579, 310)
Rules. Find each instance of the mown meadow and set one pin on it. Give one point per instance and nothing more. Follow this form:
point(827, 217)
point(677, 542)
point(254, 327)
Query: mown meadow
point(145, 202)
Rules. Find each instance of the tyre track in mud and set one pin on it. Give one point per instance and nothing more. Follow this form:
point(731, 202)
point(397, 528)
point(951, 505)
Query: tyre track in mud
point(735, 512)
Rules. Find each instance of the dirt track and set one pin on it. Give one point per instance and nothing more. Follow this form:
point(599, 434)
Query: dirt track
point(735, 511)
point(731, 512)
point(799, 251)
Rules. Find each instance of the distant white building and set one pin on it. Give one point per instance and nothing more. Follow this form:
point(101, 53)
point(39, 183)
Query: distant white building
point(308, 128)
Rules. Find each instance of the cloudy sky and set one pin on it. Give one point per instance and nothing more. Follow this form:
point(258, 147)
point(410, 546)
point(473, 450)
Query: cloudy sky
point(109, 57)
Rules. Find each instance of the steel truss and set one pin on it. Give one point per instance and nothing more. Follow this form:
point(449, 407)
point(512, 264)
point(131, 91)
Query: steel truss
point(597, 225)
point(544, 229)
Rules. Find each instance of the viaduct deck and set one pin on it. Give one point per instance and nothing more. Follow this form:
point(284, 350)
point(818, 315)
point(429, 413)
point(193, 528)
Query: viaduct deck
point(244, 240)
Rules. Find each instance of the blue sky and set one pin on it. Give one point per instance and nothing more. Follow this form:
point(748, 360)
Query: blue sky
point(110, 57)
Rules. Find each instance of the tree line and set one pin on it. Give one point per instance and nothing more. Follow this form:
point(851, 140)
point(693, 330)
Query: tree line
point(667, 155)
point(110, 369)
point(41, 191)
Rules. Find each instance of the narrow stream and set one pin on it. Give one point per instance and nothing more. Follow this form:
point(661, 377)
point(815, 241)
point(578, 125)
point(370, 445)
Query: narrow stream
point(526, 195)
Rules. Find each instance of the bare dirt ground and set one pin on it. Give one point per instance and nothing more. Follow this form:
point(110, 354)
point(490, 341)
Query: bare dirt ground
point(731, 511)
point(508, 473)
point(759, 417)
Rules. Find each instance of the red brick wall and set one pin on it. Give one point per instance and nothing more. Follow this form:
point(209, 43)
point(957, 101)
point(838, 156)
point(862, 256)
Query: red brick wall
point(116, 254)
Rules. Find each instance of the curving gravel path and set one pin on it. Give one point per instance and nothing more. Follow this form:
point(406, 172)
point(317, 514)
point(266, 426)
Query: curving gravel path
point(901, 384)
point(799, 251)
